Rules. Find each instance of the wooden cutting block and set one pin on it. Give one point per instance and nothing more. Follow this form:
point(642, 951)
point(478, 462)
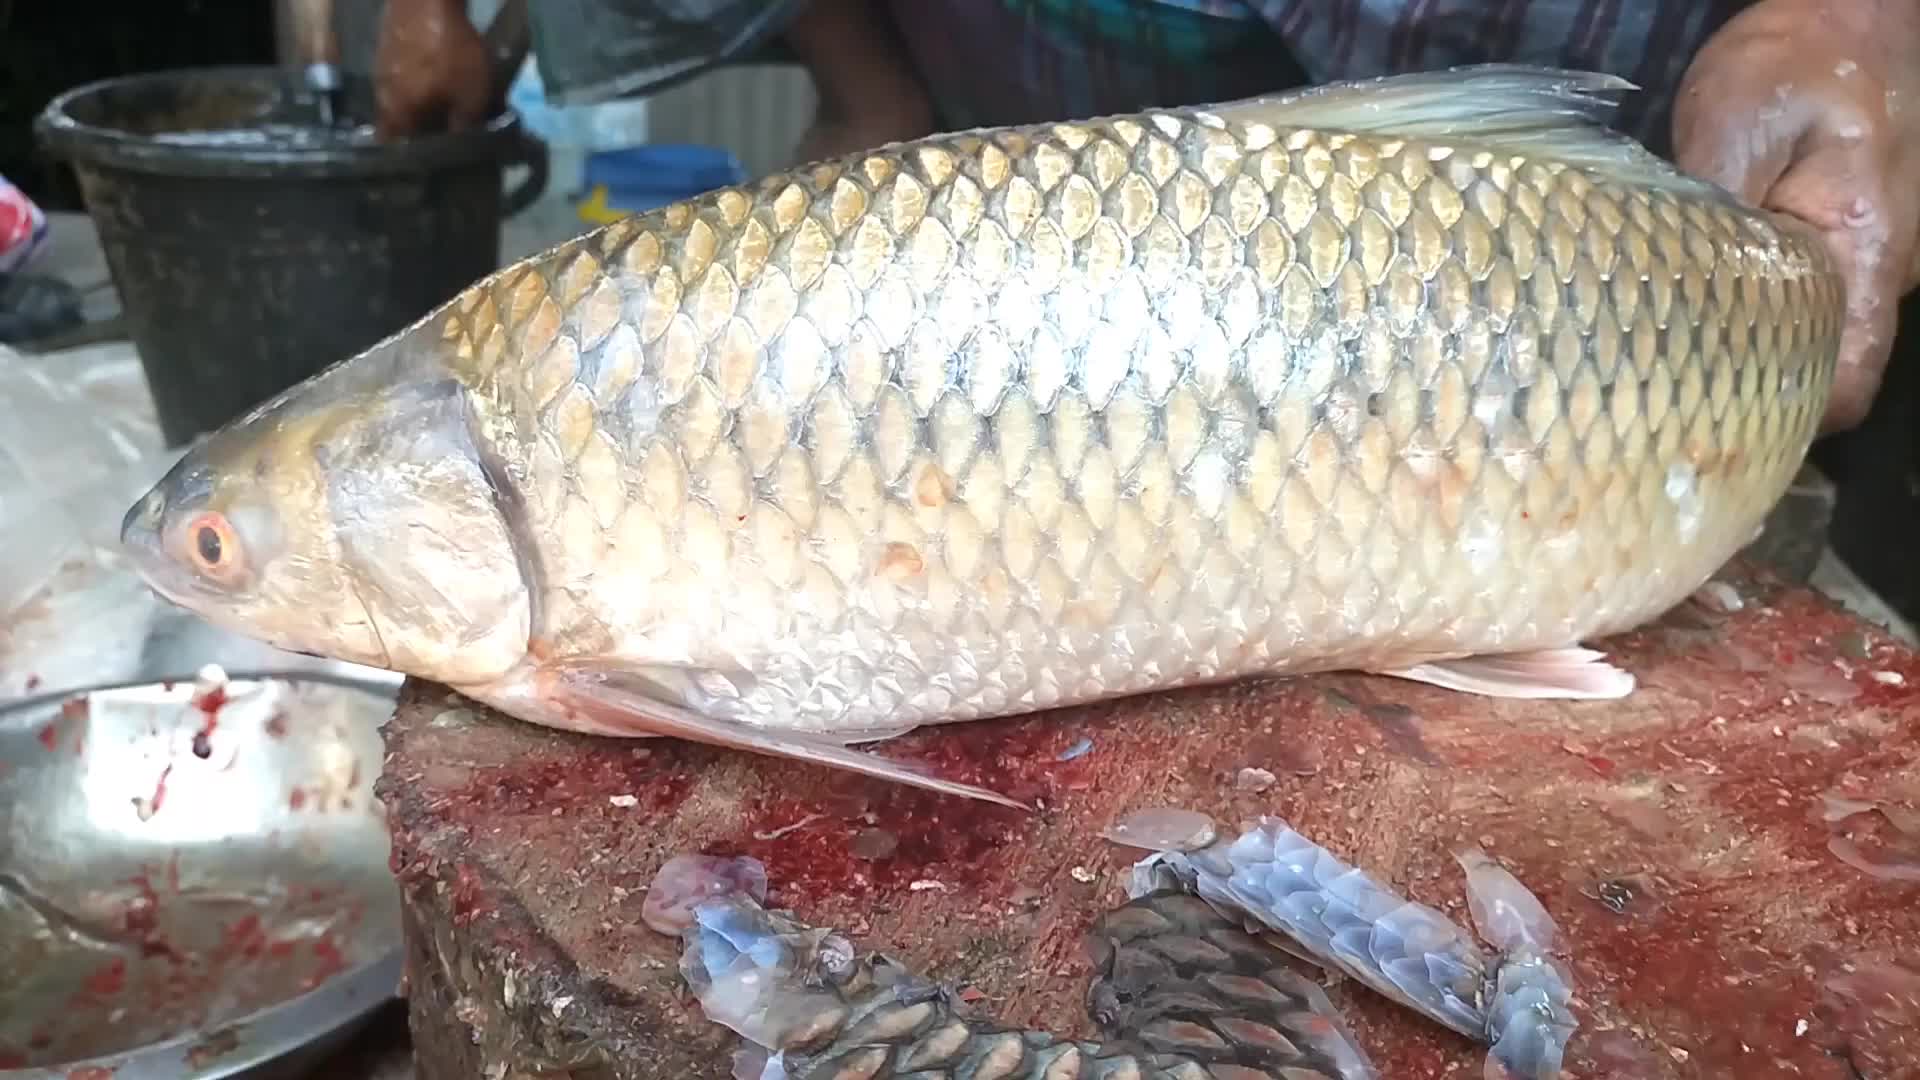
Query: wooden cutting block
point(1679, 837)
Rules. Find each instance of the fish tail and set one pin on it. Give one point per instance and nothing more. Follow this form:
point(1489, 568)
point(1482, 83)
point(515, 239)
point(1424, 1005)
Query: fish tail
point(1528, 1019)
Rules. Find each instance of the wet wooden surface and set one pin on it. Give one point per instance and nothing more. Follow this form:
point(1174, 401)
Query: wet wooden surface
point(1678, 837)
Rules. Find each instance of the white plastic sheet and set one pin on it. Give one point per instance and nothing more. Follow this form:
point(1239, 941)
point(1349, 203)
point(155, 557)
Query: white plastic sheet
point(78, 444)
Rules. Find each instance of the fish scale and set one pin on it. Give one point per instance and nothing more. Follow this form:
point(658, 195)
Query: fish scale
point(1179, 992)
point(1018, 419)
point(1422, 376)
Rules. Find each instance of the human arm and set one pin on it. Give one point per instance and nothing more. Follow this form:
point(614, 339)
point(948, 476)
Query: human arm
point(869, 93)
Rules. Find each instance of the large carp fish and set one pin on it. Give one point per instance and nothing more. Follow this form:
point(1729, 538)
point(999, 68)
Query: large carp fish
point(1431, 376)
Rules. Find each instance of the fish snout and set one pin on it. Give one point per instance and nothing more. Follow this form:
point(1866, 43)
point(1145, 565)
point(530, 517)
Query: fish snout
point(142, 543)
point(140, 527)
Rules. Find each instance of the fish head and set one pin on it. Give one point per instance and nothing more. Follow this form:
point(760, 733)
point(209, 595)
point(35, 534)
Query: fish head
point(354, 519)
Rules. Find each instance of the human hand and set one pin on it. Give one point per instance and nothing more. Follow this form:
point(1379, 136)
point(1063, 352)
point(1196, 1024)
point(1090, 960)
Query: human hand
point(868, 91)
point(1812, 108)
point(430, 68)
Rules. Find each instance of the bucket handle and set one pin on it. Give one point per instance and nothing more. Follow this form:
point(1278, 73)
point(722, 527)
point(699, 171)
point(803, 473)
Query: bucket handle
point(531, 152)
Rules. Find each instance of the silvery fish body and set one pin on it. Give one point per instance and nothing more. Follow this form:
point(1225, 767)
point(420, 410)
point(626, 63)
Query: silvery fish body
point(1375, 377)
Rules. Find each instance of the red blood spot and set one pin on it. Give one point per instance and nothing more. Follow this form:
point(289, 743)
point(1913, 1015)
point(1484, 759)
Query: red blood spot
point(209, 705)
point(142, 917)
point(332, 961)
point(33, 682)
point(959, 845)
point(50, 736)
point(211, 702)
point(468, 897)
point(110, 979)
point(245, 937)
point(296, 798)
point(160, 790)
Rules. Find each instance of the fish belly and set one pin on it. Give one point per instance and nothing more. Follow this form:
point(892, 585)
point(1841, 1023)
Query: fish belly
point(1007, 420)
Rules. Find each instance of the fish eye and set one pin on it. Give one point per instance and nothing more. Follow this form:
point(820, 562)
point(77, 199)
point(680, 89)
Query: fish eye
point(207, 543)
point(214, 548)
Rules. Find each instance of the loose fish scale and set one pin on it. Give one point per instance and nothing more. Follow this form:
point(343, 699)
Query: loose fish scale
point(1516, 999)
point(1346, 919)
point(1175, 976)
point(1180, 993)
point(982, 424)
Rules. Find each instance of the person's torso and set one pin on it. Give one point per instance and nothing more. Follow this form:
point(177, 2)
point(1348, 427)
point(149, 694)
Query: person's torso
point(991, 62)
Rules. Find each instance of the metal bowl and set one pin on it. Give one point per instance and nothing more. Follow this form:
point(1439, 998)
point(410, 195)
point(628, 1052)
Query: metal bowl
point(193, 876)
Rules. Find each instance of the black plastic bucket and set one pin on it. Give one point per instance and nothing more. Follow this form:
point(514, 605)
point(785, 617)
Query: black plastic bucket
point(252, 247)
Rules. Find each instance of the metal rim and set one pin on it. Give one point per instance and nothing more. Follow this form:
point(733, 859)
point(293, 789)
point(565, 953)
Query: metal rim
point(375, 687)
point(262, 1036)
point(60, 131)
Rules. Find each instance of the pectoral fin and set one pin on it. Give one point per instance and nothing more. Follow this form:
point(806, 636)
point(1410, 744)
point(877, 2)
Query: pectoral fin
point(1579, 674)
point(634, 700)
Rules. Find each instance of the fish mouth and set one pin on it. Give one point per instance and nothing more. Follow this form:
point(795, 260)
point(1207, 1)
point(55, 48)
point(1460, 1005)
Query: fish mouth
point(141, 543)
point(140, 532)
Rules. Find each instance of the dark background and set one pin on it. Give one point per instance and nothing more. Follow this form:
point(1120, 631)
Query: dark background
point(47, 46)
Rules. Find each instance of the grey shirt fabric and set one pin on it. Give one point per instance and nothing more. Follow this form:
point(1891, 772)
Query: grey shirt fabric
point(595, 50)
point(1000, 61)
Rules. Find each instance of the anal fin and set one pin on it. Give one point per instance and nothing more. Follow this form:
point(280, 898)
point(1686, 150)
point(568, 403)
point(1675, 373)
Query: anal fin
point(622, 700)
point(1571, 674)
point(870, 735)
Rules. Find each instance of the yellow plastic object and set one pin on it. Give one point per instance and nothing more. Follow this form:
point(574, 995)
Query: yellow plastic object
point(596, 210)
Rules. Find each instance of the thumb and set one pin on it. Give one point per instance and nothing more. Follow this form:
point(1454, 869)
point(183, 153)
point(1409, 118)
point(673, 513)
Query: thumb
point(1723, 135)
point(1839, 187)
point(397, 94)
point(392, 117)
point(469, 96)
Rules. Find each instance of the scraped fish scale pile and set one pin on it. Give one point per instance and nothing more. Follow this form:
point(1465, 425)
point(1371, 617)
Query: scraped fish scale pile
point(1017, 420)
point(1177, 977)
point(1179, 993)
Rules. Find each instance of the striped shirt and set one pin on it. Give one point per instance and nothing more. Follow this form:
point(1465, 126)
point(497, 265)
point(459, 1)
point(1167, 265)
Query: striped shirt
point(990, 62)
point(1008, 61)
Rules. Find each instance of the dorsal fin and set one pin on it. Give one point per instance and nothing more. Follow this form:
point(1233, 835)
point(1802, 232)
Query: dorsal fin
point(1538, 112)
